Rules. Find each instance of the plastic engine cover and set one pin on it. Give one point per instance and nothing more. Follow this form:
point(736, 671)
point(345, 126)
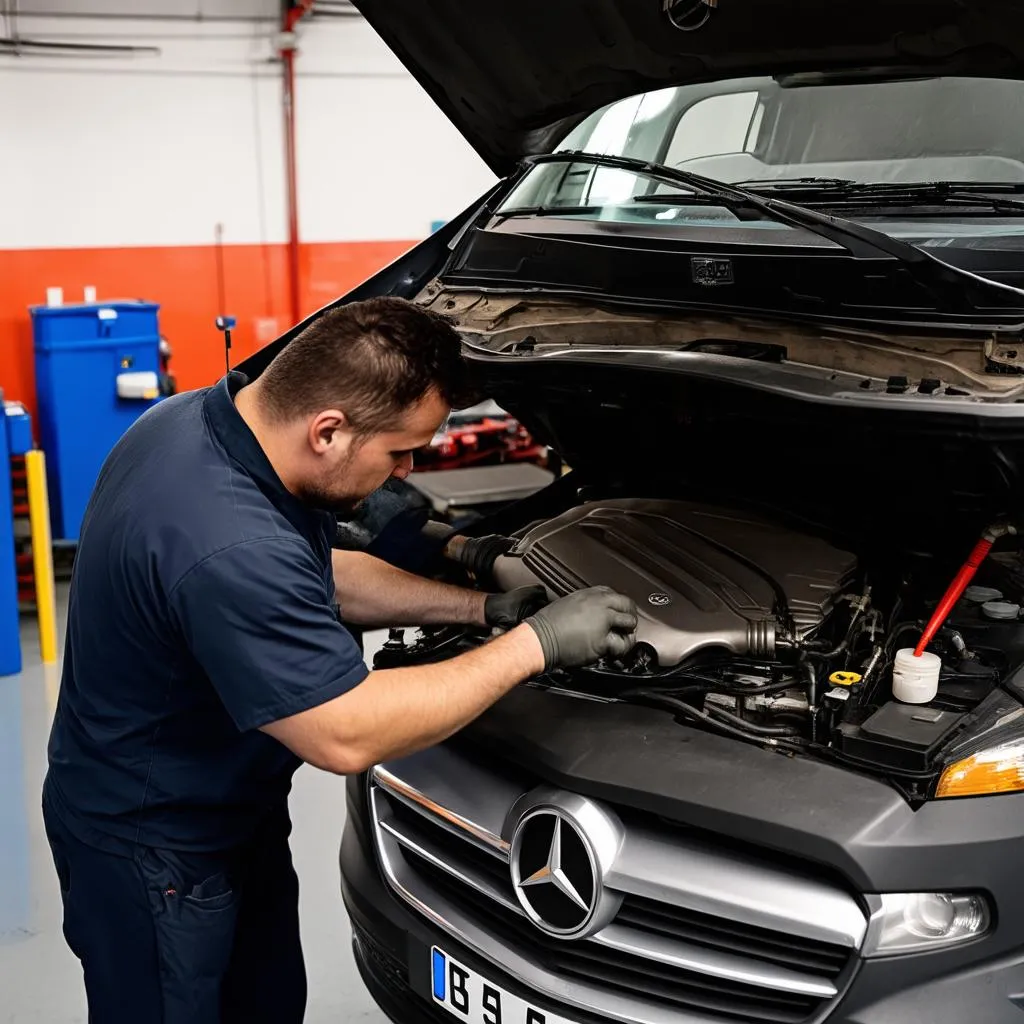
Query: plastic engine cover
point(702, 577)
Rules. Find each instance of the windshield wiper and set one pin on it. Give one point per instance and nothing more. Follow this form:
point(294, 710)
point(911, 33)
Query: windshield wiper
point(671, 198)
point(793, 183)
point(1007, 187)
point(950, 287)
point(895, 193)
point(547, 210)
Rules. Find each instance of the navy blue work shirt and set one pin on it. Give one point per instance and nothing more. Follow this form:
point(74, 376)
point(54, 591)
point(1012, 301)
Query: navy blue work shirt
point(202, 607)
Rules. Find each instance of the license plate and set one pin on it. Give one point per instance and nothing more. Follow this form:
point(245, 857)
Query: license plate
point(476, 1000)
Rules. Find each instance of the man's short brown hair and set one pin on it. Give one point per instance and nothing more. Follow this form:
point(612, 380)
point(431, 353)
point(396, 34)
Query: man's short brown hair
point(373, 360)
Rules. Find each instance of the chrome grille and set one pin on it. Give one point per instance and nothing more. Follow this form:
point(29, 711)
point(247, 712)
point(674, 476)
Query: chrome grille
point(819, 958)
point(678, 949)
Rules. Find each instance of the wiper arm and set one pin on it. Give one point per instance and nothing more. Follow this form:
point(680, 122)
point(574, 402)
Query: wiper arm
point(980, 188)
point(949, 286)
point(542, 211)
point(794, 183)
point(688, 198)
point(934, 193)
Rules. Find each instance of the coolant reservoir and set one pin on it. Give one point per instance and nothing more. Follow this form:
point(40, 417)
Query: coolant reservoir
point(915, 679)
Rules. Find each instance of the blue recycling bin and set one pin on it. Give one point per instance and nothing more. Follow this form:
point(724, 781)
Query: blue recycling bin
point(97, 371)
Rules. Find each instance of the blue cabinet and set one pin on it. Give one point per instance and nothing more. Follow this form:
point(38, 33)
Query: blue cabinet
point(97, 371)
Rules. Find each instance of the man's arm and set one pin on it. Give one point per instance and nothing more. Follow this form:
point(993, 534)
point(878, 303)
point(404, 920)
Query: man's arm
point(373, 593)
point(394, 712)
point(254, 617)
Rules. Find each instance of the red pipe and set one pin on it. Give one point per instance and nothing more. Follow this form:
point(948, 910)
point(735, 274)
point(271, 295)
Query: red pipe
point(292, 17)
point(960, 582)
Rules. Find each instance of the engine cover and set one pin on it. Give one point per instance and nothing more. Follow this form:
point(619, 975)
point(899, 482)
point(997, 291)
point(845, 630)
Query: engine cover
point(702, 577)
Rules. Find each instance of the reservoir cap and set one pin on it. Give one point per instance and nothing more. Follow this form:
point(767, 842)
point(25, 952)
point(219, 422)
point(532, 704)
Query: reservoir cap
point(1000, 611)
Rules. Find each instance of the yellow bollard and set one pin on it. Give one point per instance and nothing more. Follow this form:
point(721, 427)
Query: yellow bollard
point(42, 553)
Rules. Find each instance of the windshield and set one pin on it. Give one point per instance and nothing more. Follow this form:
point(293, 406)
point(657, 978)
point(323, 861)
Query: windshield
point(758, 131)
point(940, 129)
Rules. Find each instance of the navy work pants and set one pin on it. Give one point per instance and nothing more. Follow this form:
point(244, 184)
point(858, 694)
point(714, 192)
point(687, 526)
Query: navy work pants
point(184, 938)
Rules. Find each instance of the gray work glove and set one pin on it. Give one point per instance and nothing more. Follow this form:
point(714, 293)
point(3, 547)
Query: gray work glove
point(585, 627)
point(478, 555)
point(503, 611)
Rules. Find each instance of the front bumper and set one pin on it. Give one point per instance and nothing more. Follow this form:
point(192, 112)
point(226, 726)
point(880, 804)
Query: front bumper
point(392, 944)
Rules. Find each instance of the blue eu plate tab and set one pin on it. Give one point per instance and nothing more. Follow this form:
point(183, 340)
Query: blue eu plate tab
point(438, 971)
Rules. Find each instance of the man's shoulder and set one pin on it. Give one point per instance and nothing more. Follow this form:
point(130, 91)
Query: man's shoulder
point(157, 446)
point(230, 521)
point(276, 564)
point(183, 409)
point(174, 495)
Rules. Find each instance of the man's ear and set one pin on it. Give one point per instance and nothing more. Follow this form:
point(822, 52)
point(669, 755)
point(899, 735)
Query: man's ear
point(328, 429)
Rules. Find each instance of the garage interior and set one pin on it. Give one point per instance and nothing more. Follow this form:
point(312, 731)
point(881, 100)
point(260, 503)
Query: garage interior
point(726, 538)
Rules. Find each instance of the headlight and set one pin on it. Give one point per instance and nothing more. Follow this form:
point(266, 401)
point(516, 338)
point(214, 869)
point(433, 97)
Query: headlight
point(920, 921)
point(995, 770)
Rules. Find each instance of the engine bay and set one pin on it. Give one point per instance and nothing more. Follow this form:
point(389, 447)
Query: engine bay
point(774, 636)
point(702, 578)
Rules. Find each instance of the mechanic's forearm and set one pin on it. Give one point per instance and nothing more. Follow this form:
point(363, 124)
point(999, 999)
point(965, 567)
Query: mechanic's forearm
point(373, 593)
point(395, 712)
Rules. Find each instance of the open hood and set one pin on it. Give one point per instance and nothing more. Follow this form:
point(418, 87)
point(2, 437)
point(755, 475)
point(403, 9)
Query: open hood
point(515, 75)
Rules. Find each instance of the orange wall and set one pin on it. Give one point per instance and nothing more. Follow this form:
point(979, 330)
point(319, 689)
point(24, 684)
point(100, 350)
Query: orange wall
point(183, 280)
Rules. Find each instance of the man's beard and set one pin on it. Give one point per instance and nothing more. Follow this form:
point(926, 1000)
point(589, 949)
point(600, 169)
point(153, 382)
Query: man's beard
point(321, 499)
point(324, 502)
point(320, 496)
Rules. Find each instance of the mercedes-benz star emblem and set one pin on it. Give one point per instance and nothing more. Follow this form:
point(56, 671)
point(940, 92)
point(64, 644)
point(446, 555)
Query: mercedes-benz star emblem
point(554, 873)
point(659, 600)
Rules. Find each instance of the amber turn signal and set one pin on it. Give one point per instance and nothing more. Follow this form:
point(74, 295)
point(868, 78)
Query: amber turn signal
point(996, 770)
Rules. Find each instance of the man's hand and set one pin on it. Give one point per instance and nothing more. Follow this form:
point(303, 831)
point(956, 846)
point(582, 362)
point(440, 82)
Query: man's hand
point(585, 627)
point(504, 611)
point(477, 555)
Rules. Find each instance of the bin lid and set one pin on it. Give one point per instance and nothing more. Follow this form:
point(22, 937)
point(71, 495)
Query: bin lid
point(85, 308)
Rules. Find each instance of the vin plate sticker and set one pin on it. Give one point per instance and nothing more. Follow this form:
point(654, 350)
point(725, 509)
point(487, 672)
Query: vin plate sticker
point(475, 1000)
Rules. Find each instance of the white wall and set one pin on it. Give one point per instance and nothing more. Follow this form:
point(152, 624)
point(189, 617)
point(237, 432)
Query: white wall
point(377, 158)
point(158, 149)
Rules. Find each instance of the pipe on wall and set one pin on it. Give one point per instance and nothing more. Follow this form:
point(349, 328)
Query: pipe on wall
point(292, 16)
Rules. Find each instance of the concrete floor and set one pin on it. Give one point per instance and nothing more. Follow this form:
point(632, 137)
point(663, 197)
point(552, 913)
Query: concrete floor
point(40, 981)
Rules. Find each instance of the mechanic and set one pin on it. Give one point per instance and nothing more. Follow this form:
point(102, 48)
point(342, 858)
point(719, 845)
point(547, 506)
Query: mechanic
point(205, 660)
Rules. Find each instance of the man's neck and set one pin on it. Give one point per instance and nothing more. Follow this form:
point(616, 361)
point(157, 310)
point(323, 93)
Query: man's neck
point(247, 402)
